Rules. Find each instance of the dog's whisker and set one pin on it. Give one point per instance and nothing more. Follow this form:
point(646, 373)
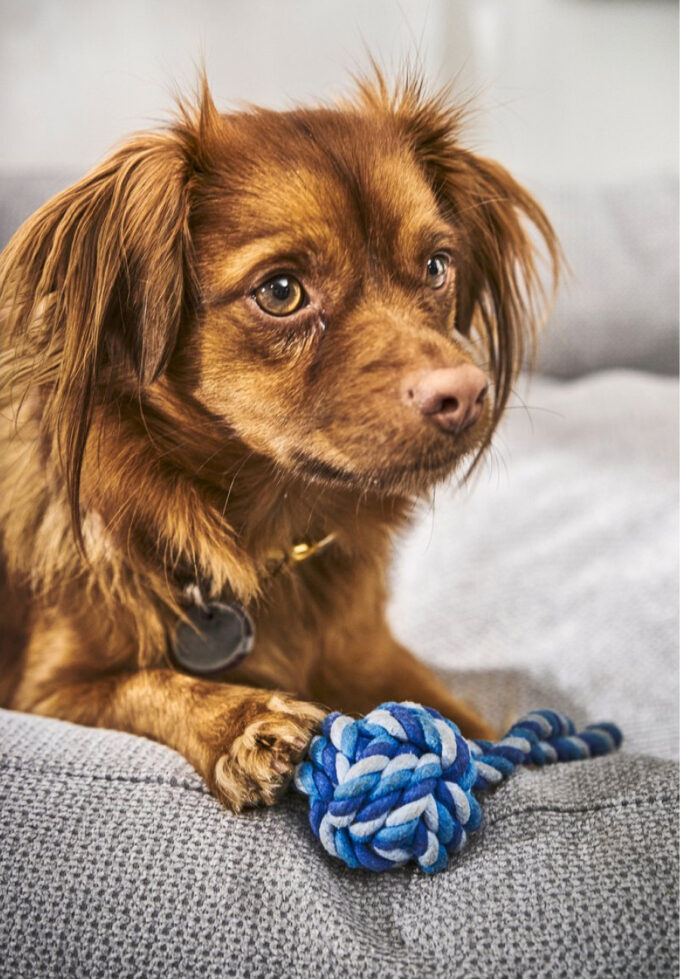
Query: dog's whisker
point(245, 460)
point(536, 408)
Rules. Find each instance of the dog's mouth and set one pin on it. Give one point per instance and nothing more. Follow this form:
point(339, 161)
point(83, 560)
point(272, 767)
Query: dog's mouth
point(408, 477)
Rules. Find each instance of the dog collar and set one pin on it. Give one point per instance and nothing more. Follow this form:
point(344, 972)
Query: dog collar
point(214, 637)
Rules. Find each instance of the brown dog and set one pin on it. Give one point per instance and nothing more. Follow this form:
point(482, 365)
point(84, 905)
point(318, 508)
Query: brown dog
point(232, 341)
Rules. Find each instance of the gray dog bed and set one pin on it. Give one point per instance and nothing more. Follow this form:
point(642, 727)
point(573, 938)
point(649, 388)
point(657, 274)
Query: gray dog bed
point(116, 862)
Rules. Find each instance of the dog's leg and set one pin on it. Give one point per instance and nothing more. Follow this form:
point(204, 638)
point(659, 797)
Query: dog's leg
point(355, 679)
point(243, 741)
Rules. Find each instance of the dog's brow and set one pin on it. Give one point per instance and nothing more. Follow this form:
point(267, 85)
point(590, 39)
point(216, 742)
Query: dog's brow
point(431, 237)
point(243, 263)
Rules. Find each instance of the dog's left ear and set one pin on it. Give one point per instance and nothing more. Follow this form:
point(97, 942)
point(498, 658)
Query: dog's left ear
point(500, 296)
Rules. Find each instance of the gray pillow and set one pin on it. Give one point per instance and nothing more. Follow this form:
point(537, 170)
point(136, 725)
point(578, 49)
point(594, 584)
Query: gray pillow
point(619, 307)
point(553, 580)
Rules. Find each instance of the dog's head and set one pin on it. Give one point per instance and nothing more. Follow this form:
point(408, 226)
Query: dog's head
point(346, 290)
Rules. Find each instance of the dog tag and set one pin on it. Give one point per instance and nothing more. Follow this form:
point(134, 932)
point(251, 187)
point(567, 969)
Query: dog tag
point(216, 638)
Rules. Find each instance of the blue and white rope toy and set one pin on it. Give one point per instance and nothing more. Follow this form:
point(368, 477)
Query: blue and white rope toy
point(398, 785)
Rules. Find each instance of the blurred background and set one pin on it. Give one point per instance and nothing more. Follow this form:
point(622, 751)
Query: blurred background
point(579, 98)
point(565, 88)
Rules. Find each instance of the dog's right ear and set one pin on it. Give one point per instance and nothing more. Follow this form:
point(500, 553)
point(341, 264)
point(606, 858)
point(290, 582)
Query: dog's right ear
point(502, 230)
point(101, 277)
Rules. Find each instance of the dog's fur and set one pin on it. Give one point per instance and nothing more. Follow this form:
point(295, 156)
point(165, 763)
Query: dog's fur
point(159, 428)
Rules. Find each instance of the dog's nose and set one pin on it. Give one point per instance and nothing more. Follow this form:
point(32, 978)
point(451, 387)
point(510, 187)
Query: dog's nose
point(452, 397)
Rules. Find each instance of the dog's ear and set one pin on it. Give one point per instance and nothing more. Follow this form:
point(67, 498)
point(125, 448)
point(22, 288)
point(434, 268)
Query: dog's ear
point(99, 279)
point(500, 296)
point(109, 254)
point(499, 293)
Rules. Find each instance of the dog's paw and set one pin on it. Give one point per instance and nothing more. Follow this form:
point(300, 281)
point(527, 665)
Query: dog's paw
point(259, 763)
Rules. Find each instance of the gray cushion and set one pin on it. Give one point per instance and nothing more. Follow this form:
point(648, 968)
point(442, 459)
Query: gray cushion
point(116, 862)
point(618, 307)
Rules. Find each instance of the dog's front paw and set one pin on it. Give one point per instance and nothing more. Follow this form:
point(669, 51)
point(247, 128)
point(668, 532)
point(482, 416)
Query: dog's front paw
point(259, 763)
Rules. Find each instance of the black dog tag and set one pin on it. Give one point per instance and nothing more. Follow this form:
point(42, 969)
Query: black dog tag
point(216, 638)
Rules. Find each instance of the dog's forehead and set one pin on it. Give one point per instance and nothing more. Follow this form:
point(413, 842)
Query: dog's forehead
point(328, 176)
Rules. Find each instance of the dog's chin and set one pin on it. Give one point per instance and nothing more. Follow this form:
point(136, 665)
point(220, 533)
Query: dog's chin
point(395, 479)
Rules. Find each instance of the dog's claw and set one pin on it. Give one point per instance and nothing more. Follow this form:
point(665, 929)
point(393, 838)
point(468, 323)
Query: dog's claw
point(280, 766)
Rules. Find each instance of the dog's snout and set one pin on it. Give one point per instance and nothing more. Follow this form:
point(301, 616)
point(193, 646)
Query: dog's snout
point(452, 397)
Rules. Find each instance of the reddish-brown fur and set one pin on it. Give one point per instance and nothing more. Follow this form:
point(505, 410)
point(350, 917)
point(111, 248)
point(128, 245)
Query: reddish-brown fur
point(158, 427)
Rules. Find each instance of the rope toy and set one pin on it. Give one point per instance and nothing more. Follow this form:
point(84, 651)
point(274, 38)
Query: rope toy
point(398, 785)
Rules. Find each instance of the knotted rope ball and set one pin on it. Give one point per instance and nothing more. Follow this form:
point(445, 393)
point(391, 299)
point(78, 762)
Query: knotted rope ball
point(399, 784)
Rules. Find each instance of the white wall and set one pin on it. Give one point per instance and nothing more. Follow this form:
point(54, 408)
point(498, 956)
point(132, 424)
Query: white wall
point(583, 88)
point(76, 74)
point(566, 88)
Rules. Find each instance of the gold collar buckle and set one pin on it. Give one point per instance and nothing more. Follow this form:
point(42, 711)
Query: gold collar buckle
point(303, 550)
point(276, 560)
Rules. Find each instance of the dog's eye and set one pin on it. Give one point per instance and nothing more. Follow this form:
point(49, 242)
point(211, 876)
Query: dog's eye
point(280, 295)
point(437, 270)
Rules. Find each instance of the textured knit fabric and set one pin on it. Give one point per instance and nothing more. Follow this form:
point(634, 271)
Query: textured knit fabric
point(116, 862)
